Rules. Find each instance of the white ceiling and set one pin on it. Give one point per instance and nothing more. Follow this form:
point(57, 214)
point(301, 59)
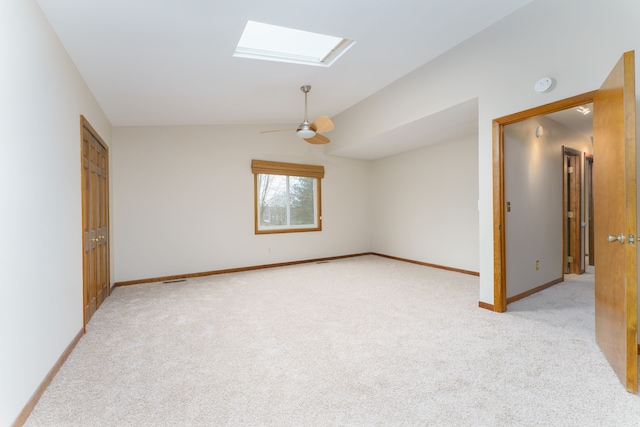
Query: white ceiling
point(575, 120)
point(164, 62)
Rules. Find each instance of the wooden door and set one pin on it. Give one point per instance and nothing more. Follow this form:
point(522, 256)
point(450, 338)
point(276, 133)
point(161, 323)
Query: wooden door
point(614, 192)
point(95, 219)
point(572, 205)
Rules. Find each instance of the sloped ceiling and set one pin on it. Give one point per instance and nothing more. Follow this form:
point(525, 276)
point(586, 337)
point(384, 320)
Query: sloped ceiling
point(170, 62)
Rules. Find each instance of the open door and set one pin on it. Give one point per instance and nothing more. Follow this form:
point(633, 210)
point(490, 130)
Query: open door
point(614, 192)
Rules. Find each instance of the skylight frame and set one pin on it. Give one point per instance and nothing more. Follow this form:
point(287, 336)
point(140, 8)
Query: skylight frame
point(274, 43)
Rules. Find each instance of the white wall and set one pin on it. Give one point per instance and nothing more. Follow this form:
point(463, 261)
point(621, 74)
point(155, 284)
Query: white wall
point(533, 174)
point(424, 205)
point(183, 201)
point(499, 66)
point(40, 210)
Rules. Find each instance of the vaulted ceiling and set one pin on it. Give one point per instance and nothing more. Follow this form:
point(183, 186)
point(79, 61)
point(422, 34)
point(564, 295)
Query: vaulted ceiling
point(169, 62)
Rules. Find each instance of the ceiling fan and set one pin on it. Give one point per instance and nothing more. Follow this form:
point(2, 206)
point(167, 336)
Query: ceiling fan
point(310, 131)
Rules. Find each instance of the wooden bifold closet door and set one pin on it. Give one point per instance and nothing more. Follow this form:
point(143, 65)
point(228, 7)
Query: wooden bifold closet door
point(95, 219)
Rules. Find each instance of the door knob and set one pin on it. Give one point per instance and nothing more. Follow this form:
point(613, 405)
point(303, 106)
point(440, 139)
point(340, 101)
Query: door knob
point(619, 238)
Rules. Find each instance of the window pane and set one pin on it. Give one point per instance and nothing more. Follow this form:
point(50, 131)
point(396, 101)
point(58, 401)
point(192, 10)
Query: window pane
point(286, 203)
point(302, 194)
point(272, 200)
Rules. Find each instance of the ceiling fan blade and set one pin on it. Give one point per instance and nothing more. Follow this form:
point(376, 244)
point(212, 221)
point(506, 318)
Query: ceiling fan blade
point(322, 124)
point(277, 130)
point(318, 139)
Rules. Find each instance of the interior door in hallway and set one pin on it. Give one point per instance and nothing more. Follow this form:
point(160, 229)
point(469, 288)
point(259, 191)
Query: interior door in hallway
point(588, 161)
point(614, 192)
point(572, 191)
point(95, 219)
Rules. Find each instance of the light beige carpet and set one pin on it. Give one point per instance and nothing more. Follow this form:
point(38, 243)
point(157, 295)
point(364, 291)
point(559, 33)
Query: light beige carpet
point(355, 342)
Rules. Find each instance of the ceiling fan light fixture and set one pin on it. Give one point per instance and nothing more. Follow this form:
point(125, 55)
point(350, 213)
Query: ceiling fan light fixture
point(305, 131)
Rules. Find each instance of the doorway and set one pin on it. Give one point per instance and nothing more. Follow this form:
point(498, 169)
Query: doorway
point(95, 219)
point(543, 196)
point(500, 207)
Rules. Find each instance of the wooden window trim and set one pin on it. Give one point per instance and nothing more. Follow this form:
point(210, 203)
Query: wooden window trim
point(287, 169)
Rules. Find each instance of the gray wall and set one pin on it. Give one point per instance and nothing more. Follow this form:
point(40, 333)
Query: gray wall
point(533, 174)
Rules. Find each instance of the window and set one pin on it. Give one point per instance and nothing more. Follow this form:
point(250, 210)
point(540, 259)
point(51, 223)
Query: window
point(286, 197)
point(274, 43)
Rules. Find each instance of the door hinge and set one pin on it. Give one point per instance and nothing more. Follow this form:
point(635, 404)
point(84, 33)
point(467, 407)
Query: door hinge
point(569, 214)
point(570, 169)
point(569, 259)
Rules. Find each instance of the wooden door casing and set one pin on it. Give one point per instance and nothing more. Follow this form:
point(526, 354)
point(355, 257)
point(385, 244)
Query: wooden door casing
point(499, 205)
point(95, 219)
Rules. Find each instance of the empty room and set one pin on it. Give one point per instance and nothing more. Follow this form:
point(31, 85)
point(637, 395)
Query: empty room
point(388, 219)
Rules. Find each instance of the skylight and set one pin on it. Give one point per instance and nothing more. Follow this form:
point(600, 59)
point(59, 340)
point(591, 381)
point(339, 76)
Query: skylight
point(274, 43)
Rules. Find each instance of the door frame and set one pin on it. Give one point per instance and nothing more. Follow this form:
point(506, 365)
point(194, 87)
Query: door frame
point(572, 201)
point(499, 256)
point(588, 205)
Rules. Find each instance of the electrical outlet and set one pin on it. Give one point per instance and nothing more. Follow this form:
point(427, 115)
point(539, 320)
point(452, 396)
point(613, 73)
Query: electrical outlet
point(537, 264)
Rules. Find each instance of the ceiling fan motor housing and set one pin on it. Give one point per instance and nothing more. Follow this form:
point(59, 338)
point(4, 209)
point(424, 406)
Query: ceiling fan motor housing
point(305, 130)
